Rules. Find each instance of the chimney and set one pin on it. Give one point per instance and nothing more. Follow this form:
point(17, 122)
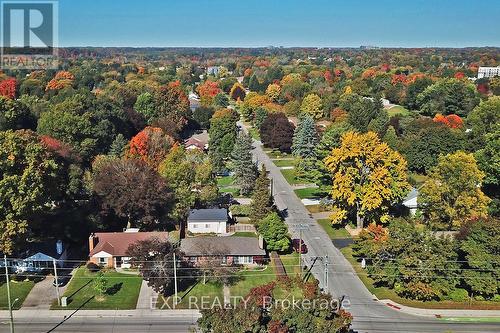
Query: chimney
point(261, 242)
point(93, 240)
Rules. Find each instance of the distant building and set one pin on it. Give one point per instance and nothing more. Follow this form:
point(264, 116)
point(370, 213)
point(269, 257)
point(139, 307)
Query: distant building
point(213, 70)
point(109, 249)
point(206, 221)
point(488, 72)
point(39, 256)
point(197, 141)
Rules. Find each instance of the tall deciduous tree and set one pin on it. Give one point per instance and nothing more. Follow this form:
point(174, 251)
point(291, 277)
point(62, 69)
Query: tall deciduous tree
point(368, 177)
point(131, 190)
point(261, 198)
point(277, 132)
point(245, 171)
point(312, 105)
point(360, 110)
point(483, 119)
point(452, 194)
point(237, 92)
point(28, 182)
point(151, 145)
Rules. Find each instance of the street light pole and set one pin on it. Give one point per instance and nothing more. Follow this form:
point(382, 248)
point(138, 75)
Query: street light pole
point(8, 294)
point(326, 273)
point(175, 281)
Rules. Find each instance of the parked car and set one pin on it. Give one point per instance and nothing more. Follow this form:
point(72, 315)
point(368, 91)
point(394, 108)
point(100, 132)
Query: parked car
point(296, 246)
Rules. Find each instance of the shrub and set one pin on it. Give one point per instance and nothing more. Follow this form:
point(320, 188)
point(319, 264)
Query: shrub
point(458, 295)
point(240, 210)
point(93, 268)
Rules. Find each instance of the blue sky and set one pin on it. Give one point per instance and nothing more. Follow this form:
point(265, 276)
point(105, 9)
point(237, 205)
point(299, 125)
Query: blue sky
point(253, 23)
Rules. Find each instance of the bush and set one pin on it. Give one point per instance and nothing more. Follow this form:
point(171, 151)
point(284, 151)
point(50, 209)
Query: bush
point(93, 268)
point(496, 298)
point(458, 295)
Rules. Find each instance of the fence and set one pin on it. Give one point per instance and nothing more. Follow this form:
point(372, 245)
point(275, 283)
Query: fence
point(241, 228)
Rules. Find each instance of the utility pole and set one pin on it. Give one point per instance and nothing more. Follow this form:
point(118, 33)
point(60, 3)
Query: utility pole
point(8, 294)
point(326, 273)
point(57, 282)
point(300, 252)
point(175, 281)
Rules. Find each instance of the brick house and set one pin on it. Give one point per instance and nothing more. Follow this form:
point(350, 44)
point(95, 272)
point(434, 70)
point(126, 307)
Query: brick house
point(109, 248)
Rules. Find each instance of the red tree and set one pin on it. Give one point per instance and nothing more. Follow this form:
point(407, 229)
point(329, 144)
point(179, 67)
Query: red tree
point(8, 88)
point(151, 145)
point(451, 121)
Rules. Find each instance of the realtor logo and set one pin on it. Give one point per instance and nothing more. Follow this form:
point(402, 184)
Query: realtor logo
point(29, 34)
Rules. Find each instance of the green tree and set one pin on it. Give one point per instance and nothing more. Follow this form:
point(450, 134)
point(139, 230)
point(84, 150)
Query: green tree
point(146, 106)
point(275, 232)
point(481, 250)
point(223, 131)
point(448, 96)
point(118, 146)
point(261, 198)
point(221, 100)
point(260, 115)
point(452, 193)
point(368, 177)
point(360, 110)
point(245, 171)
point(202, 116)
point(312, 105)
point(28, 183)
point(15, 115)
point(482, 120)
point(414, 89)
point(100, 285)
point(380, 123)
point(391, 138)
point(305, 138)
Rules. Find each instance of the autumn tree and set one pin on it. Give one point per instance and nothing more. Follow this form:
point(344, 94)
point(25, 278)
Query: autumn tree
point(207, 91)
point(28, 183)
point(151, 145)
point(452, 193)
point(245, 171)
point(172, 109)
point(8, 88)
point(237, 92)
point(273, 92)
point(261, 198)
point(368, 177)
point(131, 190)
point(277, 132)
point(275, 232)
point(312, 105)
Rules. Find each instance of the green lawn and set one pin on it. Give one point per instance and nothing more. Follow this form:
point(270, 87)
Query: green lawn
point(225, 181)
point(386, 293)
point(276, 154)
point(197, 294)
point(233, 190)
point(284, 163)
point(289, 175)
point(398, 110)
point(334, 232)
point(123, 291)
point(252, 278)
point(291, 263)
point(18, 289)
point(311, 193)
point(316, 209)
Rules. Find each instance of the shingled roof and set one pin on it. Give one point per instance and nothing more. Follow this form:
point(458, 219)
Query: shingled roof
point(117, 243)
point(233, 246)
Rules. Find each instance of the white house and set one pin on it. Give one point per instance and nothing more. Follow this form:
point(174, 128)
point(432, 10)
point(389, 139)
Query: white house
point(411, 201)
point(488, 72)
point(206, 221)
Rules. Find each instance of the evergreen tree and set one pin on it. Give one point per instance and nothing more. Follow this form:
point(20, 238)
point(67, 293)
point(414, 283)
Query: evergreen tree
point(244, 169)
point(391, 138)
point(261, 199)
point(275, 232)
point(260, 116)
point(305, 138)
point(118, 146)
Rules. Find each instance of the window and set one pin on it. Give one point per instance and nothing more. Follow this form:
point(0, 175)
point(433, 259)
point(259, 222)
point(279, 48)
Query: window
point(194, 225)
point(207, 226)
point(242, 260)
point(103, 261)
point(224, 260)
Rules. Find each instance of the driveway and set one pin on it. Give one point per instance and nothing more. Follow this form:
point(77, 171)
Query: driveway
point(42, 295)
point(146, 297)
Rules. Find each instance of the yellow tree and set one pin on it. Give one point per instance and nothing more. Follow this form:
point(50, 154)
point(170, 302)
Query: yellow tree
point(452, 194)
point(368, 177)
point(311, 104)
point(273, 91)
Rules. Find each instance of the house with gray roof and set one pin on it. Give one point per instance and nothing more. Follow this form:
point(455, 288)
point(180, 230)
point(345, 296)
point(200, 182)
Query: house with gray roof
point(207, 221)
point(411, 201)
point(232, 250)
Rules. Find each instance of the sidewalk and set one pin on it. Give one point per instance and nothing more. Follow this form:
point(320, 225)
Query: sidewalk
point(138, 313)
point(146, 296)
point(441, 313)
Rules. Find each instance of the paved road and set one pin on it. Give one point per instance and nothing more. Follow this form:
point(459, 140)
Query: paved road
point(106, 324)
point(369, 314)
